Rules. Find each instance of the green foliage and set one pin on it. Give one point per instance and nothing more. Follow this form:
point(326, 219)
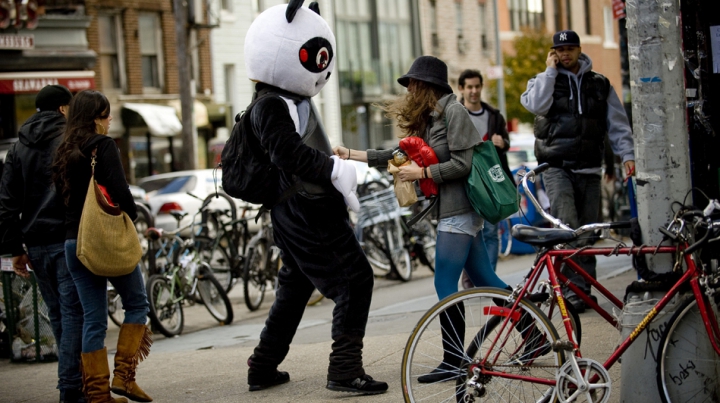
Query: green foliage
point(531, 49)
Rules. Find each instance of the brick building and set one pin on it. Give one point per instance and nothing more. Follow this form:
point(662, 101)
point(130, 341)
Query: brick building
point(462, 32)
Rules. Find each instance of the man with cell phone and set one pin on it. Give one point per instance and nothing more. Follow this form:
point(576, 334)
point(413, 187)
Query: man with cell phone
point(575, 108)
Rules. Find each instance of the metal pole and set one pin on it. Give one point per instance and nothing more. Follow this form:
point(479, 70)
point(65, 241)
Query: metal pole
point(662, 161)
point(499, 61)
point(188, 153)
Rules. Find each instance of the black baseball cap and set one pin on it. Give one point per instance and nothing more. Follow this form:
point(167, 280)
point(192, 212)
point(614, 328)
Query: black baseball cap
point(51, 97)
point(565, 38)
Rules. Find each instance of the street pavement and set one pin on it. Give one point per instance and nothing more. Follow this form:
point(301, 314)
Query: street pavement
point(207, 363)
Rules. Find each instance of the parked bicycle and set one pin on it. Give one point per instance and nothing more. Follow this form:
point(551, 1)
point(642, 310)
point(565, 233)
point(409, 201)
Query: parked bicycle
point(222, 240)
point(182, 276)
point(515, 353)
point(143, 221)
point(262, 264)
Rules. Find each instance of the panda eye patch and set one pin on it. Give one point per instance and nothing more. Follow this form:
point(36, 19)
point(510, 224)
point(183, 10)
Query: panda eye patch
point(316, 54)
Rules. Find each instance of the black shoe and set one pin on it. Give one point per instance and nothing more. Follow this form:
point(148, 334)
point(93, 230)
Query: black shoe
point(263, 381)
point(72, 396)
point(577, 303)
point(443, 373)
point(364, 384)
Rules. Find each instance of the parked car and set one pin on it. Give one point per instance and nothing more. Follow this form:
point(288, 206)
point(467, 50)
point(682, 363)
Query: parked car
point(169, 191)
point(521, 151)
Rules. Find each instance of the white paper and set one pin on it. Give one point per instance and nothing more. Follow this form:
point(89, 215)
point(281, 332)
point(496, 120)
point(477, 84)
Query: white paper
point(715, 41)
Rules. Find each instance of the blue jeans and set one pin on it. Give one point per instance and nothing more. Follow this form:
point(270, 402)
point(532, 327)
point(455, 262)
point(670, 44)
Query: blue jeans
point(93, 296)
point(492, 243)
point(64, 309)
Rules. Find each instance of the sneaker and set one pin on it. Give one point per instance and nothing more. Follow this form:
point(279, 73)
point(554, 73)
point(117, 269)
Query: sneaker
point(577, 303)
point(263, 381)
point(363, 384)
point(443, 373)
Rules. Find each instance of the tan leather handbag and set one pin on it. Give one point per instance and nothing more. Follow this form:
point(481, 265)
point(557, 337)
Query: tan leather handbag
point(107, 242)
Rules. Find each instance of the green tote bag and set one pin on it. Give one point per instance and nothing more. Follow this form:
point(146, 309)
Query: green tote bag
point(492, 194)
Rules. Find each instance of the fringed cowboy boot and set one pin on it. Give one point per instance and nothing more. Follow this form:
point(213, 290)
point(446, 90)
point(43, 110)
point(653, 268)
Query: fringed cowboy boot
point(133, 346)
point(96, 378)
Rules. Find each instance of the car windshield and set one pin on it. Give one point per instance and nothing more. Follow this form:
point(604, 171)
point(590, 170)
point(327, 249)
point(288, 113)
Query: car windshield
point(169, 185)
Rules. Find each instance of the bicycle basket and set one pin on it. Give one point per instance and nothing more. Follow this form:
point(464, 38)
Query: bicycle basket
point(378, 207)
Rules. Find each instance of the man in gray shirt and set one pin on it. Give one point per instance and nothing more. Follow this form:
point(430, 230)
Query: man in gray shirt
point(575, 107)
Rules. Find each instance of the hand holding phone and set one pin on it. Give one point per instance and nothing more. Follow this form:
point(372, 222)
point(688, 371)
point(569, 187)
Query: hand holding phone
point(552, 59)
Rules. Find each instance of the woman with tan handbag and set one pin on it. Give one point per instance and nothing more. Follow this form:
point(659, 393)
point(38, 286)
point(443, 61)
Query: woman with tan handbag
point(87, 156)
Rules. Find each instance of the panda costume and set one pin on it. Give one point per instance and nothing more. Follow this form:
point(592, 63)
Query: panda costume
point(290, 53)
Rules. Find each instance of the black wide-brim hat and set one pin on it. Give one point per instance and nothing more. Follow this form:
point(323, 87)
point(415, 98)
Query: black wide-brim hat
point(429, 69)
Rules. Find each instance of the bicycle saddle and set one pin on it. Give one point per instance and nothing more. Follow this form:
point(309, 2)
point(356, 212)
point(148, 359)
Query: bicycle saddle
point(178, 214)
point(542, 236)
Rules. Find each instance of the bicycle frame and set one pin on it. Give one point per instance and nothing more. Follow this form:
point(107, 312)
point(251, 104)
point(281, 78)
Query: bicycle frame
point(552, 259)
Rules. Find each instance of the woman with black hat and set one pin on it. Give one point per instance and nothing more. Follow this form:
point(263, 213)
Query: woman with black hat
point(431, 111)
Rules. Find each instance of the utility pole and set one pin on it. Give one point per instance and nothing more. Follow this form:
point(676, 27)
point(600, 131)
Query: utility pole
point(499, 61)
point(662, 158)
point(188, 153)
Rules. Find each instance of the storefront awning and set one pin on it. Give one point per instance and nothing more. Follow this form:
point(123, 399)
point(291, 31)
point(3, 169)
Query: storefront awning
point(200, 112)
point(161, 120)
point(31, 82)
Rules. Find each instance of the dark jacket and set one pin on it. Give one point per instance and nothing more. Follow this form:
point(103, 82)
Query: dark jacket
point(31, 212)
point(108, 172)
point(566, 138)
point(497, 125)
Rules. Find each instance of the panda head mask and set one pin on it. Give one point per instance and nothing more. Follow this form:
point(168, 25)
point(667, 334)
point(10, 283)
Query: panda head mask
point(290, 47)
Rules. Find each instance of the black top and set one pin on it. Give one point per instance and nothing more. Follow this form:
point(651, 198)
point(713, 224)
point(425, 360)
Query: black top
point(31, 212)
point(108, 172)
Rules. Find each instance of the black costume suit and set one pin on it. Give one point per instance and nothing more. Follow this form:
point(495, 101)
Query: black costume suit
point(319, 248)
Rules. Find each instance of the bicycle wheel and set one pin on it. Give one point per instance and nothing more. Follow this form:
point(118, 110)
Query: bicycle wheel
point(373, 244)
point(504, 227)
point(166, 313)
point(400, 254)
point(217, 257)
point(254, 280)
point(521, 347)
point(213, 296)
point(115, 308)
point(688, 369)
point(426, 236)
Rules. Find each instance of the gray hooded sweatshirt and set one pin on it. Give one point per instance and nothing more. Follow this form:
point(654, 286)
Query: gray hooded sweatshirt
point(538, 98)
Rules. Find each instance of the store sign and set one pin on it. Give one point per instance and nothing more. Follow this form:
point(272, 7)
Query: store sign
point(34, 85)
point(17, 42)
point(618, 9)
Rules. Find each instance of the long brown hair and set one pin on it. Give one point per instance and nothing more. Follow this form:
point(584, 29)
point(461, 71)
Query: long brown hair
point(413, 109)
point(84, 108)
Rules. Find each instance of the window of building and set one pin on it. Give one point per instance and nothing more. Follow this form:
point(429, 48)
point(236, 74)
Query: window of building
point(482, 17)
point(150, 38)
point(432, 15)
point(526, 14)
point(226, 5)
point(229, 76)
point(587, 18)
point(112, 60)
point(609, 25)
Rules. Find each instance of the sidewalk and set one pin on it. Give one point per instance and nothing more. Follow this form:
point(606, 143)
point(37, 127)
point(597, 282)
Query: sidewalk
point(219, 374)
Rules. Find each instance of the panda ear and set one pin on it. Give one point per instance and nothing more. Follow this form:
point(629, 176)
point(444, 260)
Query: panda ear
point(292, 9)
point(315, 7)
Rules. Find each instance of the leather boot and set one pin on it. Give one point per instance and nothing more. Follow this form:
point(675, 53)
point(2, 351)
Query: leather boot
point(96, 378)
point(133, 346)
point(452, 323)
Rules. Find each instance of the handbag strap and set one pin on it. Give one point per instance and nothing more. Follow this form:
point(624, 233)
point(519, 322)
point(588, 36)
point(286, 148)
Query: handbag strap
point(93, 156)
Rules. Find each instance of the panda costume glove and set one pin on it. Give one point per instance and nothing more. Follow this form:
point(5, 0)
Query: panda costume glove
point(344, 178)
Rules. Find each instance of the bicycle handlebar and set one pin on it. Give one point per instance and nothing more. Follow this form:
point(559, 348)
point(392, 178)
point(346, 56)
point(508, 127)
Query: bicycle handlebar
point(531, 174)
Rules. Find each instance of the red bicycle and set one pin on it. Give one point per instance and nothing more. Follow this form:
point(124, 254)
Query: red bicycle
point(516, 353)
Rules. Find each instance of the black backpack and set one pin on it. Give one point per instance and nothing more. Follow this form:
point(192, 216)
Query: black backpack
point(247, 172)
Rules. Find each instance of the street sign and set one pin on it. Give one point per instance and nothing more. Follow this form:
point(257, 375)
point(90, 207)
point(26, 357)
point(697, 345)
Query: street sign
point(494, 72)
point(618, 9)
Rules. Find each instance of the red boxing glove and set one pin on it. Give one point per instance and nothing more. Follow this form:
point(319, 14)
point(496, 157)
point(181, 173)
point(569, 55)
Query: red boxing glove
point(424, 156)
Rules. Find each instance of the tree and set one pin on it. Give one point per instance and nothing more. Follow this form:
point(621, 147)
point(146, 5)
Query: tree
point(531, 49)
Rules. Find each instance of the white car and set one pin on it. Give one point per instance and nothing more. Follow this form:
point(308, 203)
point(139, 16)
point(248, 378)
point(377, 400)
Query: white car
point(169, 191)
point(521, 151)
